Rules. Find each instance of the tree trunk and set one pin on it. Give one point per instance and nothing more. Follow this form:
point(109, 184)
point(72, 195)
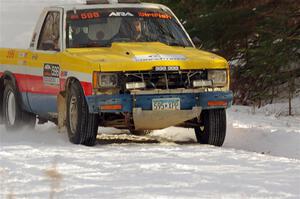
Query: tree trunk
point(290, 103)
point(291, 91)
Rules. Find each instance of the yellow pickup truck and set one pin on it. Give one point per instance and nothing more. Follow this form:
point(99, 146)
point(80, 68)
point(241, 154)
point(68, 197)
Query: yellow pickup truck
point(114, 63)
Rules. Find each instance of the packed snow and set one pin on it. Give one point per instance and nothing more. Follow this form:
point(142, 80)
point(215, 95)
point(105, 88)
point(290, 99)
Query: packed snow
point(260, 157)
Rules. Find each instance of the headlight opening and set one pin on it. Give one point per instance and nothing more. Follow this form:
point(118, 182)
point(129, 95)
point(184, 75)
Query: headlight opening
point(218, 77)
point(105, 80)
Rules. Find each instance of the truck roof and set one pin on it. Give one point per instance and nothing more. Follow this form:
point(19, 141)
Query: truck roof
point(110, 4)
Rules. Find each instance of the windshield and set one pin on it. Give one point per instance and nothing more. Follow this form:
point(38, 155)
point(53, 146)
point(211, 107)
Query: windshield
point(102, 27)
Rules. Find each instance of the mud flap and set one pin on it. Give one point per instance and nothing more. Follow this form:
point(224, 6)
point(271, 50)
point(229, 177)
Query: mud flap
point(62, 112)
point(152, 120)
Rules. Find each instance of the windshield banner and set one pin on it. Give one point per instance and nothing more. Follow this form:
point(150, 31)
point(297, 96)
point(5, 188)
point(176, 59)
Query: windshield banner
point(105, 13)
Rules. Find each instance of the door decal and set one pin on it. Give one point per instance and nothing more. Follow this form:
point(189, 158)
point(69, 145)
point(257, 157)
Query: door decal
point(51, 74)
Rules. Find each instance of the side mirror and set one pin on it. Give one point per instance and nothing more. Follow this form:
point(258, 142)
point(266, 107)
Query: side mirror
point(197, 41)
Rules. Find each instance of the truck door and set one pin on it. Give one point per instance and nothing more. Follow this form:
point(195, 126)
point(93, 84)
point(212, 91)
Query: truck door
point(43, 85)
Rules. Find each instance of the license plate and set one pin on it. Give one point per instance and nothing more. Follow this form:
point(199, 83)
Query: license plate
point(166, 104)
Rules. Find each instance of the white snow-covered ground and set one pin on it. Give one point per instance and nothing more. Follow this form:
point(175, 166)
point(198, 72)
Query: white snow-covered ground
point(260, 157)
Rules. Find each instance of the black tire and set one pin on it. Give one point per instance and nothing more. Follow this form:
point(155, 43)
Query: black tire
point(213, 128)
point(13, 115)
point(81, 125)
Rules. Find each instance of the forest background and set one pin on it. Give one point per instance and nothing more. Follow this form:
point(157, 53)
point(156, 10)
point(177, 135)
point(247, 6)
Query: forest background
point(260, 38)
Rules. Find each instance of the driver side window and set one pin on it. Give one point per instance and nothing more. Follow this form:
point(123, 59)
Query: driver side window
point(49, 37)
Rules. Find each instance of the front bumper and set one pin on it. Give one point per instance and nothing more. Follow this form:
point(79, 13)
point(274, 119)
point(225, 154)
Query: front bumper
point(187, 101)
point(144, 118)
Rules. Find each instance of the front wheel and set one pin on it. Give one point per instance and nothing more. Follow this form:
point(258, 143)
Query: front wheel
point(82, 126)
point(212, 130)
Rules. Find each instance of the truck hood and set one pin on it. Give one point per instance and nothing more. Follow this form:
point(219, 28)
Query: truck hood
point(145, 56)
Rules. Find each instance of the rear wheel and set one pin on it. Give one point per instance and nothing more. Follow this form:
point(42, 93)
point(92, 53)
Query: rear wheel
point(82, 126)
point(213, 128)
point(14, 117)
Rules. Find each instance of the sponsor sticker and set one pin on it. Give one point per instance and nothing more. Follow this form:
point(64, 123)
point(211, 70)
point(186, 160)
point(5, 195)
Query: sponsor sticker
point(154, 15)
point(121, 14)
point(23, 55)
point(51, 74)
point(159, 57)
point(10, 54)
point(64, 73)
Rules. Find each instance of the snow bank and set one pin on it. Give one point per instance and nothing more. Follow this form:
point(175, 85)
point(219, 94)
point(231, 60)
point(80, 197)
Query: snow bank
point(281, 109)
point(278, 136)
point(268, 130)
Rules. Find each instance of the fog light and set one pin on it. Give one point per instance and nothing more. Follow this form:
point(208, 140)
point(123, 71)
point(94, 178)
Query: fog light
point(135, 85)
point(202, 83)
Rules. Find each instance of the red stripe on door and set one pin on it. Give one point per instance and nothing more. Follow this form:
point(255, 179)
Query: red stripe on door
point(35, 84)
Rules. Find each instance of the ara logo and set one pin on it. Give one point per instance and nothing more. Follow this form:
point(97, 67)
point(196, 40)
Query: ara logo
point(121, 14)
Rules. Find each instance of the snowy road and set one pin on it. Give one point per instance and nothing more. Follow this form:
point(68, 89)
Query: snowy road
point(42, 164)
point(145, 171)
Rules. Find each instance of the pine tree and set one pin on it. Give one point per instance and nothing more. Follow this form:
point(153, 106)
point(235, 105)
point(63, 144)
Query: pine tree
point(263, 35)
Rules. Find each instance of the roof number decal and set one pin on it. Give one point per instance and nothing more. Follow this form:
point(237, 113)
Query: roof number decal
point(85, 15)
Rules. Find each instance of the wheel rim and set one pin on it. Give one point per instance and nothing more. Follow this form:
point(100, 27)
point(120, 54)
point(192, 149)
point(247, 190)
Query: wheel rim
point(11, 108)
point(73, 114)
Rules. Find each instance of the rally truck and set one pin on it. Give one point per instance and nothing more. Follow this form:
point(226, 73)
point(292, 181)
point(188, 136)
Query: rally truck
point(114, 63)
